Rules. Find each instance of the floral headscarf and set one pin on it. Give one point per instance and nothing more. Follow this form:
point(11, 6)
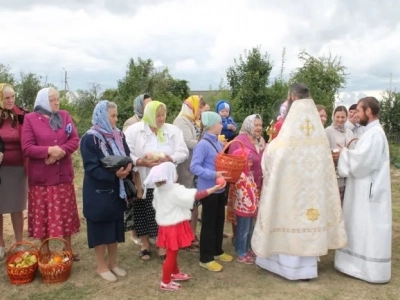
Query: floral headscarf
point(248, 128)
point(138, 104)
point(103, 130)
point(150, 115)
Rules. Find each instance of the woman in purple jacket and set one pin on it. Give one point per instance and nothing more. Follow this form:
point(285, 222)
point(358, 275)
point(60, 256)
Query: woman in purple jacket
point(251, 136)
point(49, 138)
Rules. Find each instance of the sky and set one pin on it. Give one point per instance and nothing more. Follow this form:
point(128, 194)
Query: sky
point(198, 40)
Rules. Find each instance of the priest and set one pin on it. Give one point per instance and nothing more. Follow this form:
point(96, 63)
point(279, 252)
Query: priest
point(367, 207)
point(299, 215)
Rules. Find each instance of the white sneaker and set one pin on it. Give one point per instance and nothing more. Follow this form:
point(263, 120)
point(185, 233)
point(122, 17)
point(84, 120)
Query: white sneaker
point(119, 272)
point(2, 253)
point(108, 276)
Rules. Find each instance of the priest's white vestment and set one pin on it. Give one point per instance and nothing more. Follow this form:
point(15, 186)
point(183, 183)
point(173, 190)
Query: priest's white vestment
point(299, 215)
point(367, 208)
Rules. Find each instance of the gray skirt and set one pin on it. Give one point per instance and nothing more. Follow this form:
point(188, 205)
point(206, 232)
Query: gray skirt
point(13, 189)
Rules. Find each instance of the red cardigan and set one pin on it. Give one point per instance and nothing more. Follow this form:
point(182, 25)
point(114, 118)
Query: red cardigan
point(37, 137)
point(12, 140)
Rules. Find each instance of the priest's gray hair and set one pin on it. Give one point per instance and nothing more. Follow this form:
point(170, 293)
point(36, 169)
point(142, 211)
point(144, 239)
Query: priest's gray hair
point(300, 90)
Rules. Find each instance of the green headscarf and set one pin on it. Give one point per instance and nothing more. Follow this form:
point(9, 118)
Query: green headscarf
point(209, 119)
point(149, 117)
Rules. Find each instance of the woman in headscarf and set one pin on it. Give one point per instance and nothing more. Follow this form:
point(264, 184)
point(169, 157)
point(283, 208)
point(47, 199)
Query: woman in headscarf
point(339, 137)
point(139, 104)
point(187, 121)
point(13, 180)
point(104, 196)
point(49, 138)
point(151, 142)
point(251, 136)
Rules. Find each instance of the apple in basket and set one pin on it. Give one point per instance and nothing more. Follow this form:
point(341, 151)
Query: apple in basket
point(26, 260)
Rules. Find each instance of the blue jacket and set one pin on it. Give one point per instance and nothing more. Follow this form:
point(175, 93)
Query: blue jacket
point(229, 134)
point(101, 201)
point(203, 161)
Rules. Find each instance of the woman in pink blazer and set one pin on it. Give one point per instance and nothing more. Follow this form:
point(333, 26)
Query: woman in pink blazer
point(49, 138)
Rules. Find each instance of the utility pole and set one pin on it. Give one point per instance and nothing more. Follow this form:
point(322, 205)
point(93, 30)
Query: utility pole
point(65, 80)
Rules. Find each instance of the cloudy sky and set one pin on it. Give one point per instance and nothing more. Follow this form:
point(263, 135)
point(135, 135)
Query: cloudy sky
point(94, 39)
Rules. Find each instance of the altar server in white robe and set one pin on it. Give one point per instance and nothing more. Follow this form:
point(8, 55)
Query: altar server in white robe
point(300, 215)
point(367, 207)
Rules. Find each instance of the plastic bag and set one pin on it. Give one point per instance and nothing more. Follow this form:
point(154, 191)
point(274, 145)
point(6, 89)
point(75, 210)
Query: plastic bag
point(115, 162)
point(130, 189)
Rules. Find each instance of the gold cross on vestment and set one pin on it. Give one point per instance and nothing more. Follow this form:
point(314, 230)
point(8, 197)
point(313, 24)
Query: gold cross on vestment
point(307, 128)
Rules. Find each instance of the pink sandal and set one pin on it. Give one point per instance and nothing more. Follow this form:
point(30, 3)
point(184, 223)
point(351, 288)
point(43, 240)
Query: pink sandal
point(247, 259)
point(171, 287)
point(180, 276)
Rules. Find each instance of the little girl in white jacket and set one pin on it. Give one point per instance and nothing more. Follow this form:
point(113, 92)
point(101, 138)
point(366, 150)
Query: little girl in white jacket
point(173, 203)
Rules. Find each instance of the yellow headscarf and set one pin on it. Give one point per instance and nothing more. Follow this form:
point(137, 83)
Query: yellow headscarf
point(2, 87)
point(150, 115)
point(190, 107)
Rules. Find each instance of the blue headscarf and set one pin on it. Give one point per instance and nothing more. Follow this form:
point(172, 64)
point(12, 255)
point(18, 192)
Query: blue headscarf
point(103, 130)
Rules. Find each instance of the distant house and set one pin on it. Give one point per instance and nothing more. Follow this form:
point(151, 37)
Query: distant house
point(69, 95)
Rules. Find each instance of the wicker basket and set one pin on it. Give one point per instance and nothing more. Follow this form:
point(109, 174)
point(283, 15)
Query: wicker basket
point(234, 165)
point(55, 272)
point(26, 274)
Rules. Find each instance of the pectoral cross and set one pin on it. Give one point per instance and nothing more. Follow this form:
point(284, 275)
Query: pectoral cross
point(307, 128)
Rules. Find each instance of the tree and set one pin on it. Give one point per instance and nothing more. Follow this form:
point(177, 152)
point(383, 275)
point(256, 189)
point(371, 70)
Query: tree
point(5, 75)
point(323, 75)
point(390, 112)
point(142, 77)
point(27, 89)
point(251, 88)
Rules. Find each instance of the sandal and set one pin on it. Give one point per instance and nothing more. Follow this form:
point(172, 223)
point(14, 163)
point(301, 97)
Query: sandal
point(196, 242)
point(145, 255)
point(172, 286)
point(180, 276)
point(192, 248)
point(75, 257)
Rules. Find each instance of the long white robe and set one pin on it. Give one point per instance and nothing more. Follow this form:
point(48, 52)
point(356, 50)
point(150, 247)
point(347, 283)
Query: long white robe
point(299, 216)
point(367, 208)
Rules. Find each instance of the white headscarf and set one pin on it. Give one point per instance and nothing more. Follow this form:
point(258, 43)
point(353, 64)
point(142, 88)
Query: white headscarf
point(163, 172)
point(42, 105)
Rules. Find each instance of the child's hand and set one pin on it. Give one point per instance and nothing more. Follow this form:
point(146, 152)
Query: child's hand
point(216, 188)
point(231, 127)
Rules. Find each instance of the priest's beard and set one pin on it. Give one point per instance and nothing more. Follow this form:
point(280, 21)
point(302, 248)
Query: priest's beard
point(290, 102)
point(364, 121)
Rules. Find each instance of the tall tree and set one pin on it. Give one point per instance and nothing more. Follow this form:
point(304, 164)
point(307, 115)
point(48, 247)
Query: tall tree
point(324, 76)
point(27, 89)
point(142, 77)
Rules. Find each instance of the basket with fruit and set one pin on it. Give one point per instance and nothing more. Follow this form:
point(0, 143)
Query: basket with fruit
point(22, 262)
point(55, 266)
point(154, 156)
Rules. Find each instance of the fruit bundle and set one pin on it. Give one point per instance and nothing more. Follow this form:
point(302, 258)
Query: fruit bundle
point(22, 264)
